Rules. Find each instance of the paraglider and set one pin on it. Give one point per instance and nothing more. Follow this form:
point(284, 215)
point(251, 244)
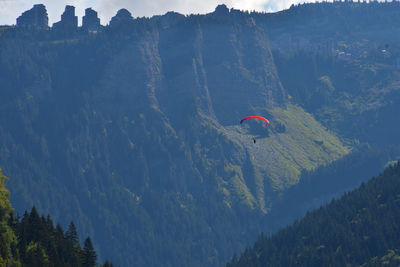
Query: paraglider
point(255, 117)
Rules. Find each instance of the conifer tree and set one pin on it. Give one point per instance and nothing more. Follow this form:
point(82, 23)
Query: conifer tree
point(36, 256)
point(72, 234)
point(35, 225)
point(89, 254)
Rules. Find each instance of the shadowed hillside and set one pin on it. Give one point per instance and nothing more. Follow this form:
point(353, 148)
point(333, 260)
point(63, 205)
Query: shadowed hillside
point(361, 228)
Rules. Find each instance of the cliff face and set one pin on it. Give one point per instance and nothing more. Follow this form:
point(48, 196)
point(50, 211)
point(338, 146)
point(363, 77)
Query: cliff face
point(206, 57)
point(133, 132)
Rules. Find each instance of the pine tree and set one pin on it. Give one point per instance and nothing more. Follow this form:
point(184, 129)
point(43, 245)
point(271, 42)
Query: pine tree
point(36, 256)
point(35, 226)
point(89, 254)
point(72, 234)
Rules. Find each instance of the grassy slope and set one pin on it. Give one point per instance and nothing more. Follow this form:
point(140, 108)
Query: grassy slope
point(279, 158)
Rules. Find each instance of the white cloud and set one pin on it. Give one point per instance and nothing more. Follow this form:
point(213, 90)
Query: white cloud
point(156, 7)
point(10, 8)
point(257, 5)
point(273, 5)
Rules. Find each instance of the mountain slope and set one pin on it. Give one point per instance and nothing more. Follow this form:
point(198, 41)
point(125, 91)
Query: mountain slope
point(360, 228)
point(339, 61)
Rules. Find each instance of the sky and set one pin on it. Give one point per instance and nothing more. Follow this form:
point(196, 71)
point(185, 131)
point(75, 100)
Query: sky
point(11, 9)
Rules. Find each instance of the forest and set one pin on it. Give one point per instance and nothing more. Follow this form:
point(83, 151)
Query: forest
point(33, 240)
point(359, 229)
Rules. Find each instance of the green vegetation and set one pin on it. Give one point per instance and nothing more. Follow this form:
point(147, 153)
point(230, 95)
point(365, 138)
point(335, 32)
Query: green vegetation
point(309, 143)
point(281, 157)
point(359, 229)
point(8, 240)
point(342, 94)
point(34, 241)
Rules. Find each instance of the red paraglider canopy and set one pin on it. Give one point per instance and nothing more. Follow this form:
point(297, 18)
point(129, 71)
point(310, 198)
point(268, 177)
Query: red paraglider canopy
point(255, 117)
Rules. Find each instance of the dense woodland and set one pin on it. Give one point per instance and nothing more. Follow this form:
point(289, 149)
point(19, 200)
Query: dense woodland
point(132, 130)
point(33, 240)
point(331, 180)
point(359, 229)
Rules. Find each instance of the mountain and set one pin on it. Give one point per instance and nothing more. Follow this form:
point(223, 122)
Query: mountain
point(132, 130)
point(359, 229)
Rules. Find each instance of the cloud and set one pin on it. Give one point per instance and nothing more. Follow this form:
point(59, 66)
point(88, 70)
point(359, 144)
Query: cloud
point(257, 5)
point(273, 5)
point(156, 7)
point(11, 9)
point(140, 8)
point(159, 7)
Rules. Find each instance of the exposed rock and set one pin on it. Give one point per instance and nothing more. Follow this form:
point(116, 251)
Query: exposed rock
point(122, 16)
point(36, 17)
point(68, 20)
point(171, 18)
point(90, 21)
point(221, 10)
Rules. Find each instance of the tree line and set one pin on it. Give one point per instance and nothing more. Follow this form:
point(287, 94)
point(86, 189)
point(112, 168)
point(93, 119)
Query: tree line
point(33, 240)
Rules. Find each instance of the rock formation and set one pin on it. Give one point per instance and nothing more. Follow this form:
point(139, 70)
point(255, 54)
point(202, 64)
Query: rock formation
point(90, 21)
point(122, 16)
point(68, 20)
point(35, 17)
